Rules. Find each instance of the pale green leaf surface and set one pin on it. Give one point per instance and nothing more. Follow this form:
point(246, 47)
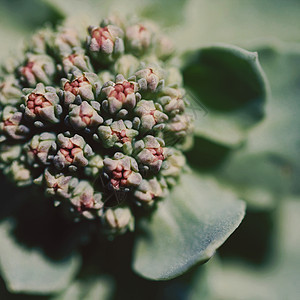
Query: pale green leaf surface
point(11, 36)
point(242, 23)
point(277, 280)
point(77, 12)
point(28, 270)
point(187, 228)
point(269, 167)
point(279, 133)
point(230, 83)
point(194, 23)
point(261, 179)
point(18, 21)
point(88, 289)
point(167, 12)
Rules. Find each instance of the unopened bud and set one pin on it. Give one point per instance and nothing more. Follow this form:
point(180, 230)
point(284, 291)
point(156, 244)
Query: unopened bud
point(84, 116)
point(95, 166)
point(172, 100)
point(76, 61)
point(173, 165)
point(65, 40)
point(72, 152)
point(118, 220)
point(57, 184)
point(9, 153)
point(149, 114)
point(138, 38)
point(41, 148)
point(117, 134)
point(164, 47)
point(105, 42)
point(122, 171)
point(149, 190)
point(151, 152)
point(18, 173)
point(10, 91)
point(42, 104)
point(150, 77)
point(82, 86)
point(119, 94)
point(11, 124)
point(86, 201)
point(37, 68)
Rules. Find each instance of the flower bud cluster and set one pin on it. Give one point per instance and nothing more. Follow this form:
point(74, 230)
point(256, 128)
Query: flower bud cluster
point(95, 121)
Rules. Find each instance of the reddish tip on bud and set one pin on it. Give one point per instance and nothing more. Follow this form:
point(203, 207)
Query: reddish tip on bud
point(74, 86)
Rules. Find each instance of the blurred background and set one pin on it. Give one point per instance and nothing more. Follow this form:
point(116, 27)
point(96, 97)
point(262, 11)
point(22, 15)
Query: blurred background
point(261, 260)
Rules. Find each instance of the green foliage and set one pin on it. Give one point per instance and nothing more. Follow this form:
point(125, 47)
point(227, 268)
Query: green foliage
point(187, 228)
point(229, 81)
point(246, 147)
point(29, 270)
point(267, 169)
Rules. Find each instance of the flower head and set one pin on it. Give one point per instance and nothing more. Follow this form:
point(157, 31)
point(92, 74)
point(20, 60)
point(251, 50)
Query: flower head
point(87, 119)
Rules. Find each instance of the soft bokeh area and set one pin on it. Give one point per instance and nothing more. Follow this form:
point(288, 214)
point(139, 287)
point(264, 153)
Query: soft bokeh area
point(259, 163)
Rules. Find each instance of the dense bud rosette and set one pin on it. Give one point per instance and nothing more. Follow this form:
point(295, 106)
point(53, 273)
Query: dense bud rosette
point(96, 121)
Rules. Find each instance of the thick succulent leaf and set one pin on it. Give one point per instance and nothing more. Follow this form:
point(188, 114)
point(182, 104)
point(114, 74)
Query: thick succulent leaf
point(243, 23)
point(230, 83)
point(15, 196)
point(88, 289)
point(277, 280)
point(81, 13)
point(269, 167)
point(199, 22)
point(279, 133)
point(253, 242)
point(168, 12)
point(28, 270)
point(261, 179)
point(187, 228)
point(18, 19)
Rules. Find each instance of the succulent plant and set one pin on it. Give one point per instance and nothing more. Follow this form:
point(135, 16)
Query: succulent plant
point(103, 124)
point(123, 121)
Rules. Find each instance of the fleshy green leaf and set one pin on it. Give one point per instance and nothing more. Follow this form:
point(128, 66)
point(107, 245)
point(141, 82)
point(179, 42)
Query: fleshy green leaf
point(88, 289)
point(243, 23)
point(279, 279)
point(269, 167)
point(9, 191)
point(28, 270)
point(88, 12)
point(18, 19)
point(279, 133)
point(229, 81)
point(187, 228)
point(167, 12)
point(259, 178)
